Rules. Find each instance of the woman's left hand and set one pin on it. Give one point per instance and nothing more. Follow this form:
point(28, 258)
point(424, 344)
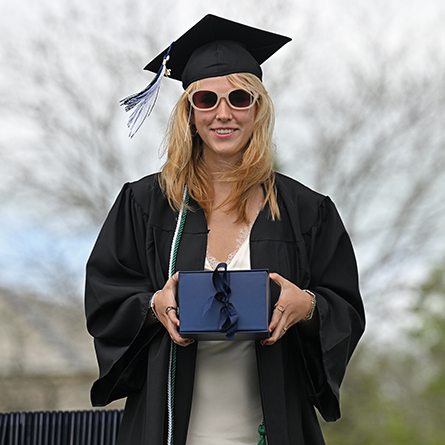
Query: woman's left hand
point(291, 307)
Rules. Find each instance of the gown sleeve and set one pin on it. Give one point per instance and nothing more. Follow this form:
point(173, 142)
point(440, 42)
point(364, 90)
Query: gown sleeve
point(334, 281)
point(117, 295)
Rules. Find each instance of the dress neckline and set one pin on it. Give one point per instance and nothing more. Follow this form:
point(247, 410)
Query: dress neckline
point(243, 235)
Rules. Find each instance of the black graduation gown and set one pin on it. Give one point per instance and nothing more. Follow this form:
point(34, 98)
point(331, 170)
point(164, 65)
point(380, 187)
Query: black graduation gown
point(308, 246)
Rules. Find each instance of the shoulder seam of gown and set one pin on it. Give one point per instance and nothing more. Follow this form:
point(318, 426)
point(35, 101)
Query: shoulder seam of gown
point(317, 219)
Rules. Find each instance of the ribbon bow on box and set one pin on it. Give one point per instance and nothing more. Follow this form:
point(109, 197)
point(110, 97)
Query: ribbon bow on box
point(228, 319)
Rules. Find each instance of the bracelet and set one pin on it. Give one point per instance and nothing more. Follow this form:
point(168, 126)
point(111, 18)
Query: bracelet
point(312, 308)
point(152, 303)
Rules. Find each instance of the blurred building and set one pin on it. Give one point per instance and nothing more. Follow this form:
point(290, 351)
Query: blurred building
point(47, 358)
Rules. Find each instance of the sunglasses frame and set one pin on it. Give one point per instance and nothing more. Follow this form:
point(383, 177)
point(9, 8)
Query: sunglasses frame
point(225, 96)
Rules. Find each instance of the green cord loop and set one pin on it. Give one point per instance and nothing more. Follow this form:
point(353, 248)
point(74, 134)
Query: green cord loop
point(172, 387)
point(173, 345)
point(262, 433)
point(262, 427)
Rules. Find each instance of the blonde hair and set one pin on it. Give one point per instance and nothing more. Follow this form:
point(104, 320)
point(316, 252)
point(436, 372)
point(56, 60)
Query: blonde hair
point(184, 164)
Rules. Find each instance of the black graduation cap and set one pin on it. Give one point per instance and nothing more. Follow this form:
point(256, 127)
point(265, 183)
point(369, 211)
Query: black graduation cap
point(213, 47)
point(217, 47)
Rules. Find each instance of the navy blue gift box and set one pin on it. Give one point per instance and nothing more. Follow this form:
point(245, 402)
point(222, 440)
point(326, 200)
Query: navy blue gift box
point(224, 305)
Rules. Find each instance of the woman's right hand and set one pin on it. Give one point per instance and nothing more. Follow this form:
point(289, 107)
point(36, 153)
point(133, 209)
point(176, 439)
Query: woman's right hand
point(164, 299)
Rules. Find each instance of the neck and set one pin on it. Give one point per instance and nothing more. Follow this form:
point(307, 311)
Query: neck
point(218, 166)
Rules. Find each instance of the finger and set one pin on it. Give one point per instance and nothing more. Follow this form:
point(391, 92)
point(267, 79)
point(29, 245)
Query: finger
point(172, 314)
point(172, 324)
point(172, 282)
point(176, 337)
point(279, 324)
point(277, 315)
point(278, 279)
point(278, 308)
point(180, 341)
point(278, 333)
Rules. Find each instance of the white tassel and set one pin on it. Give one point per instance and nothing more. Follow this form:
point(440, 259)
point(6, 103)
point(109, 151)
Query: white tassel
point(144, 101)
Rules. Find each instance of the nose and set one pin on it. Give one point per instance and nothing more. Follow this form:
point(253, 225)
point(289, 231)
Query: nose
point(223, 110)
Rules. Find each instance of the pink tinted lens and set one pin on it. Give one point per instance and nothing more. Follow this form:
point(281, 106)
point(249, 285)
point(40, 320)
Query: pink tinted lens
point(240, 99)
point(205, 99)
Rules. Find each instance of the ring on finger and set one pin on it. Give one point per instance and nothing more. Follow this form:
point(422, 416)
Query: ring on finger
point(280, 307)
point(170, 308)
point(284, 329)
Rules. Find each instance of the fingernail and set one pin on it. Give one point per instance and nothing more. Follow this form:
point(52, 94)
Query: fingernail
point(264, 342)
point(271, 328)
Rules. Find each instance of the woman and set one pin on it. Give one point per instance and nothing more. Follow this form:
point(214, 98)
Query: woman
point(240, 212)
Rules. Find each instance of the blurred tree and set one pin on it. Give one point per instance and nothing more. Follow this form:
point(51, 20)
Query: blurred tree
point(429, 336)
point(359, 117)
point(364, 118)
point(398, 396)
point(69, 164)
point(371, 137)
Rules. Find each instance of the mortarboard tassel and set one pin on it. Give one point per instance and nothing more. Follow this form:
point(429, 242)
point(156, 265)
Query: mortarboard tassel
point(144, 101)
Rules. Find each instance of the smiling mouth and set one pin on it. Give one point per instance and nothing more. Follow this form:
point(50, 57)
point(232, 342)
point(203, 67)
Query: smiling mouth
point(223, 131)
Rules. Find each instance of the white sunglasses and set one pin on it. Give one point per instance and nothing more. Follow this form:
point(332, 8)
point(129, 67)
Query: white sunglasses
point(207, 100)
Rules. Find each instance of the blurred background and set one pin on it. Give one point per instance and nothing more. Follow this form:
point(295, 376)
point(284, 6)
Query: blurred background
point(359, 95)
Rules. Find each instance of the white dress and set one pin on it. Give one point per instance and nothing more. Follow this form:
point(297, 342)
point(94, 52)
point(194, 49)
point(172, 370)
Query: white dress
point(226, 406)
